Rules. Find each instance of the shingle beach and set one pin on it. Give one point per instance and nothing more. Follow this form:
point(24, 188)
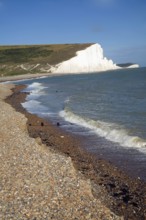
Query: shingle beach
point(38, 182)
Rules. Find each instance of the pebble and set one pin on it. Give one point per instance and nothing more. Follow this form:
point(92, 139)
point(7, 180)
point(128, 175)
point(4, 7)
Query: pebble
point(36, 183)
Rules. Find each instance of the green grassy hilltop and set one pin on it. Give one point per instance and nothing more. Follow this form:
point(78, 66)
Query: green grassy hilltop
point(16, 60)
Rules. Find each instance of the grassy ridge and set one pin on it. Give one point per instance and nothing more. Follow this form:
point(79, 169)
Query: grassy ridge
point(52, 54)
point(11, 57)
point(21, 55)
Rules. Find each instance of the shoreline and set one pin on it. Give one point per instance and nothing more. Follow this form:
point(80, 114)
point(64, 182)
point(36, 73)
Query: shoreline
point(23, 77)
point(37, 182)
point(27, 76)
point(122, 194)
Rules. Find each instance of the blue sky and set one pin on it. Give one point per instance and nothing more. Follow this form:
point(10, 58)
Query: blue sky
point(118, 25)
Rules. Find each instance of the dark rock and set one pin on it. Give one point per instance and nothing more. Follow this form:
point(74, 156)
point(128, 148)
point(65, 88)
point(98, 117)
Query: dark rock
point(42, 124)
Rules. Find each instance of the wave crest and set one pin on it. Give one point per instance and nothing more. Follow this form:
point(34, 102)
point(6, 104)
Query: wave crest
point(110, 131)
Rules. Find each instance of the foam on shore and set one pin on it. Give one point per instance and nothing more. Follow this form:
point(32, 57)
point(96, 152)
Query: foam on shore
point(110, 131)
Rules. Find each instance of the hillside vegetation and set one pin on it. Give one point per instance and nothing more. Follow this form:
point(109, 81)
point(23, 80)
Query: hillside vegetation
point(15, 60)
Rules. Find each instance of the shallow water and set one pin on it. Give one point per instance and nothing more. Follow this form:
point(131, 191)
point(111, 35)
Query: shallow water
point(108, 109)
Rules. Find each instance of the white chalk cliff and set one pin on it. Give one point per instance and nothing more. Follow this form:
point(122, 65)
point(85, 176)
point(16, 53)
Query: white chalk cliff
point(88, 60)
point(133, 66)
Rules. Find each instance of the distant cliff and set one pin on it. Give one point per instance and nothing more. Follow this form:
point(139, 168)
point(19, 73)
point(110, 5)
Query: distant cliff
point(57, 58)
point(128, 65)
point(88, 60)
point(23, 59)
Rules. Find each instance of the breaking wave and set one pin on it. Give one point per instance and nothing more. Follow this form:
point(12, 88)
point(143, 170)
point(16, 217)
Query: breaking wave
point(35, 107)
point(110, 131)
point(32, 105)
point(36, 90)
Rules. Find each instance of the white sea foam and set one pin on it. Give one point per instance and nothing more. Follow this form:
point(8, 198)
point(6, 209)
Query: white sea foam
point(34, 107)
point(35, 85)
point(110, 131)
point(36, 90)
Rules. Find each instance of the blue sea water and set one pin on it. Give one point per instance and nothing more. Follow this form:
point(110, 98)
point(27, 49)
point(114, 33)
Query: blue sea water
point(108, 106)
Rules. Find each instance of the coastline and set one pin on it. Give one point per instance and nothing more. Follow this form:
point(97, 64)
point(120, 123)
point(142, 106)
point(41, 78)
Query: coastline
point(23, 77)
point(37, 182)
point(39, 75)
point(121, 194)
point(29, 76)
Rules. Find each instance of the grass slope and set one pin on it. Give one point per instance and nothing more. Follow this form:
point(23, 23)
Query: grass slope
point(12, 57)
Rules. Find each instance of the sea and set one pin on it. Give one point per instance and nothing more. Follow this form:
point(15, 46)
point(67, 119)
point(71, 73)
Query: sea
point(106, 109)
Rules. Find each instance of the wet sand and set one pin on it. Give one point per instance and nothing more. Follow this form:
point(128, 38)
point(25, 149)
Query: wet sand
point(123, 195)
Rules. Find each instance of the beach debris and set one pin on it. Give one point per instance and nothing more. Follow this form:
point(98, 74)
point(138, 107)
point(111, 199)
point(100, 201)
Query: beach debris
point(42, 123)
point(58, 124)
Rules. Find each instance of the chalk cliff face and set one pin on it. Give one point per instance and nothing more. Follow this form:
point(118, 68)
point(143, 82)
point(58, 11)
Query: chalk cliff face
point(133, 66)
point(89, 60)
point(128, 65)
